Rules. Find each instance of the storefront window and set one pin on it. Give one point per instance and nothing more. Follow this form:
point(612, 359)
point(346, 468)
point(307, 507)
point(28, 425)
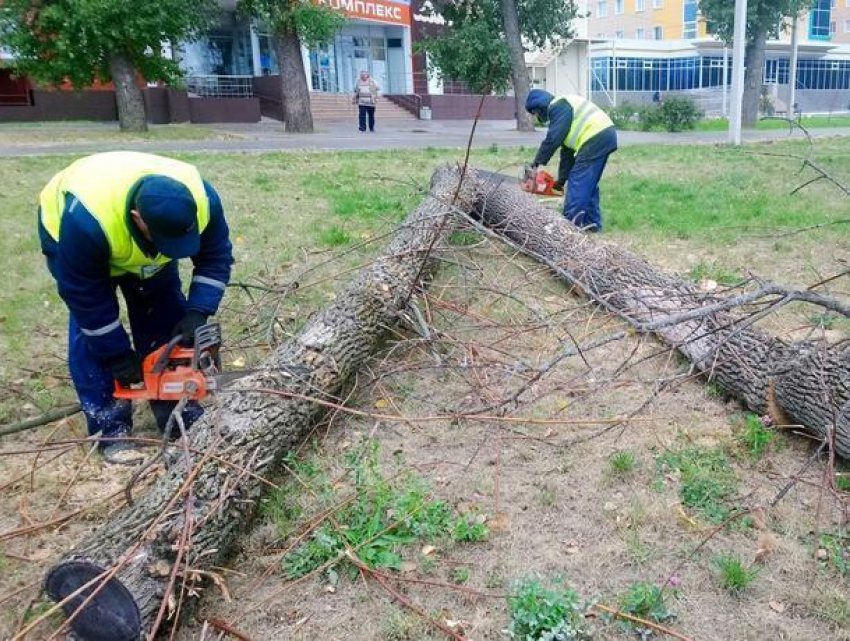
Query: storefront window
point(268, 56)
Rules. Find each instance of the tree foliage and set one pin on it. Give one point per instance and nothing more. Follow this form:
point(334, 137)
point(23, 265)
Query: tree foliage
point(315, 23)
point(761, 14)
point(74, 39)
point(472, 47)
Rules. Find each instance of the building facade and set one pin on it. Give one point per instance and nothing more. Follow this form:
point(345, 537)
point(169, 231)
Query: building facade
point(649, 46)
point(376, 38)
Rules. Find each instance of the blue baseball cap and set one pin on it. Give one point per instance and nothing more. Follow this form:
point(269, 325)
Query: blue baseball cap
point(169, 210)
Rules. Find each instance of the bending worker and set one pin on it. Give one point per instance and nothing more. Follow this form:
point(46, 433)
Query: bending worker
point(123, 220)
point(586, 137)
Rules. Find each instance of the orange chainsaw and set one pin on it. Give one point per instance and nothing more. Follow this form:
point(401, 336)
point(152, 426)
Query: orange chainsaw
point(539, 182)
point(172, 371)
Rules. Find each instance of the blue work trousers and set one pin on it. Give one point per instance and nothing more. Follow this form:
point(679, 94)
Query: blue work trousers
point(154, 306)
point(581, 206)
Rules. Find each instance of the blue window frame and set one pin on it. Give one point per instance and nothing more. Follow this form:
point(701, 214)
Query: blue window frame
point(819, 20)
point(689, 19)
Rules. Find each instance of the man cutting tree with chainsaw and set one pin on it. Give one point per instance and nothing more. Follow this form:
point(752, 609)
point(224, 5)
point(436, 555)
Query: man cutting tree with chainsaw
point(586, 137)
point(123, 220)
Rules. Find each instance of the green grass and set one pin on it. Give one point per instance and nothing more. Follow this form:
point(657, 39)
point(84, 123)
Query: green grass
point(335, 237)
point(809, 122)
point(52, 133)
point(707, 481)
point(539, 611)
point(754, 436)
point(713, 271)
point(278, 210)
point(734, 575)
point(622, 462)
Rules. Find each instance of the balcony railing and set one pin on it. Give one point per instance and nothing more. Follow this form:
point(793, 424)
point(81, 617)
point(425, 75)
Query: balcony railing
point(220, 86)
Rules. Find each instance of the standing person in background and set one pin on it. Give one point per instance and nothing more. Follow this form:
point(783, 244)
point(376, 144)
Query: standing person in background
point(366, 98)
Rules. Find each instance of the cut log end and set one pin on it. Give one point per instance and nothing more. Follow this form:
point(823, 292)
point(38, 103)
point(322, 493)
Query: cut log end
point(110, 612)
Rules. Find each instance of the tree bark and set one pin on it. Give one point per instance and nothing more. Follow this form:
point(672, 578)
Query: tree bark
point(806, 383)
point(753, 78)
point(519, 73)
point(248, 430)
point(297, 116)
point(131, 103)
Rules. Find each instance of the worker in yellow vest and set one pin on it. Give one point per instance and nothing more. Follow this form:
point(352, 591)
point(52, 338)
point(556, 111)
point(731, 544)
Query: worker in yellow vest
point(586, 137)
point(122, 220)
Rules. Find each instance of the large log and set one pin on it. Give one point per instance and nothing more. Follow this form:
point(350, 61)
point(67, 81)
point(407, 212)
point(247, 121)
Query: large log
point(121, 573)
point(806, 383)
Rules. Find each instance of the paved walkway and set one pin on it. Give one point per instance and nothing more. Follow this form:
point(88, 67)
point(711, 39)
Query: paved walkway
point(270, 136)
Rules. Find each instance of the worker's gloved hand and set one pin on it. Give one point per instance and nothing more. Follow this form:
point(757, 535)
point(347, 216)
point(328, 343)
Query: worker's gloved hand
point(187, 326)
point(126, 368)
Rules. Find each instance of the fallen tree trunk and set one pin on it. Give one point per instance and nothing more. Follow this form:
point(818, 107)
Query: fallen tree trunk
point(803, 383)
point(119, 582)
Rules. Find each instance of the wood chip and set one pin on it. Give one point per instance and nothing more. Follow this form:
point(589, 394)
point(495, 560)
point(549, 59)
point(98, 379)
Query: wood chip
point(776, 606)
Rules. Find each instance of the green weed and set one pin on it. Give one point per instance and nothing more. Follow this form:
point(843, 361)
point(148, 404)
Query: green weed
point(384, 517)
point(713, 271)
point(404, 626)
point(734, 575)
point(837, 547)
point(428, 564)
point(547, 495)
point(842, 482)
point(713, 390)
point(646, 601)
point(825, 320)
point(833, 607)
point(334, 237)
point(495, 578)
point(708, 481)
point(493, 148)
point(754, 436)
point(470, 528)
point(550, 613)
point(464, 238)
point(460, 575)
point(622, 462)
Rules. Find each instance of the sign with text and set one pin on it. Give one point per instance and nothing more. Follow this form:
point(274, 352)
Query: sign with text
point(374, 10)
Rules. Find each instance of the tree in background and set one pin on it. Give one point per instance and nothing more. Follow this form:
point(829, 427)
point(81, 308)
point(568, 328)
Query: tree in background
point(295, 23)
point(763, 20)
point(84, 41)
point(485, 40)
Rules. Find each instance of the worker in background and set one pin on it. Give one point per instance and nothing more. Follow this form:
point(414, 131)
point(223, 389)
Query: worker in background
point(122, 220)
point(586, 137)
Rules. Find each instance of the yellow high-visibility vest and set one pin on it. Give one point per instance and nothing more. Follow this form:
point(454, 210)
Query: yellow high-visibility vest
point(102, 184)
point(588, 120)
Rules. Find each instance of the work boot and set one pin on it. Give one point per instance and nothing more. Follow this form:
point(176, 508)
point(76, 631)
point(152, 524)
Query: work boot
point(120, 452)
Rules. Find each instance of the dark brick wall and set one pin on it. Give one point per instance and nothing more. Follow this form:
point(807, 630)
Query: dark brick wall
point(464, 107)
point(156, 105)
point(270, 93)
point(210, 110)
point(64, 105)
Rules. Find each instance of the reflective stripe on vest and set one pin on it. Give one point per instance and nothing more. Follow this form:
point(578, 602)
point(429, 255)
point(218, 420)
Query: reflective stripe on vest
point(102, 184)
point(588, 120)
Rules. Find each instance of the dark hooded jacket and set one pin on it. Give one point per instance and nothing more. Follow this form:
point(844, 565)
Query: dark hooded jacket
point(560, 118)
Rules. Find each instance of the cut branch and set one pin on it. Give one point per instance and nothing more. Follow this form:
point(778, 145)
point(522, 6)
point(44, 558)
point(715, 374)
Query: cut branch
point(807, 382)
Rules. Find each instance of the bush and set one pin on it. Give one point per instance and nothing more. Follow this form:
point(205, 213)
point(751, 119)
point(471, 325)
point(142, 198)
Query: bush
point(649, 117)
point(679, 113)
point(624, 116)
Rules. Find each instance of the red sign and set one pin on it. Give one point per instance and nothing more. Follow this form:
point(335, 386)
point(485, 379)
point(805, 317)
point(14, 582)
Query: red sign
point(374, 10)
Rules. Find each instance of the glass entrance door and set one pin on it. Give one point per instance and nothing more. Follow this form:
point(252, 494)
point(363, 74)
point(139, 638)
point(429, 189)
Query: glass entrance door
point(323, 75)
